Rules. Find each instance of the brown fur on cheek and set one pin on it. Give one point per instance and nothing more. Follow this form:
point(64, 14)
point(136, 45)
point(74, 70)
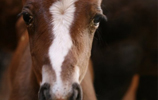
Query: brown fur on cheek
point(82, 51)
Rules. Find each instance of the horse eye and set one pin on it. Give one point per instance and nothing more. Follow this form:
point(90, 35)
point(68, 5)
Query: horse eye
point(97, 18)
point(27, 18)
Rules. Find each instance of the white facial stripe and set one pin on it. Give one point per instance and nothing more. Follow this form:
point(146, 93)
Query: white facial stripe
point(76, 74)
point(46, 75)
point(62, 14)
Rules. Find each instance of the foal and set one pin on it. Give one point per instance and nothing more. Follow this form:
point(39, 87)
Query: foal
point(54, 62)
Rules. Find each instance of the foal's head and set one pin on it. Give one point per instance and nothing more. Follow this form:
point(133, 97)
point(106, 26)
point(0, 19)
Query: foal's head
point(61, 34)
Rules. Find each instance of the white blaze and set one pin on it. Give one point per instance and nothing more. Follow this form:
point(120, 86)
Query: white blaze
point(62, 17)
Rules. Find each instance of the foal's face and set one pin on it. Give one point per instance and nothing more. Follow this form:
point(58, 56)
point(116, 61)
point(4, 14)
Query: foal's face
point(61, 34)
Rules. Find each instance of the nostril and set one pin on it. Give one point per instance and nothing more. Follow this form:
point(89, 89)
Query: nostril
point(77, 92)
point(44, 93)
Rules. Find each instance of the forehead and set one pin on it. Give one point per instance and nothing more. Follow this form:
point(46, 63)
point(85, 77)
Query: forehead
point(41, 10)
point(45, 4)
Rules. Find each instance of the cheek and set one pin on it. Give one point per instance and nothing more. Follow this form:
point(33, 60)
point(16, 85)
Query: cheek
point(87, 43)
point(84, 56)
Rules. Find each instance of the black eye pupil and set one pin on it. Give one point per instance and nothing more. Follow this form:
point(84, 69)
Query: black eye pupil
point(97, 18)
point(27, 18)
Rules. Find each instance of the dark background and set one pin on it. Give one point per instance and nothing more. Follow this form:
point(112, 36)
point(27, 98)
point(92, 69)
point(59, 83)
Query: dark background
point(123, 46)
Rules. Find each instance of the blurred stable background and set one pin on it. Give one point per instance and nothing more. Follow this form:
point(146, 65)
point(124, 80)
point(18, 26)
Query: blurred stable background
point(124, 52)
